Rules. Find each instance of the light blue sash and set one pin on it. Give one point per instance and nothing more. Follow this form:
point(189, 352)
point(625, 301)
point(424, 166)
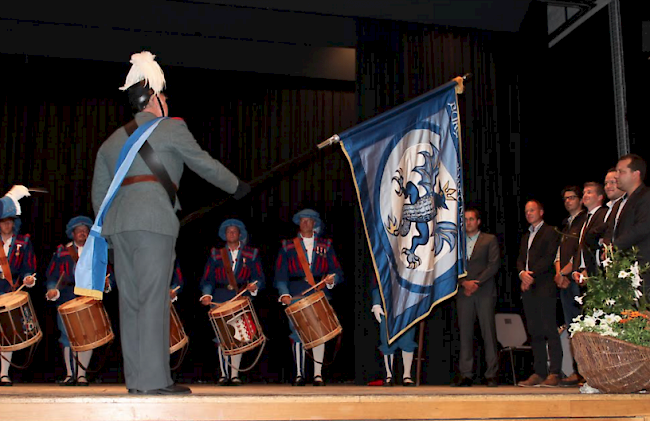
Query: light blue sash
point(90, 272)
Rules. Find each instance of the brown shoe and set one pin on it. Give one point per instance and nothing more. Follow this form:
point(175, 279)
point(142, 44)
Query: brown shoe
point(533, 381)
point(573, 380)
point(553, 380)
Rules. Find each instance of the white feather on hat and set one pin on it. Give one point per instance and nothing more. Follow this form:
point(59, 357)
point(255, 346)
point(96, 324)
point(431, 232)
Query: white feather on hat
point(144, 67)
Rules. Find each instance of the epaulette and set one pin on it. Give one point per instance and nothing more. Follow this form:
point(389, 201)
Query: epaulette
point(325, 243)
point(249, 252)
point(288, 245)
point(177, 118)
point(63, 250)
point(215, 254)
point(22, 239)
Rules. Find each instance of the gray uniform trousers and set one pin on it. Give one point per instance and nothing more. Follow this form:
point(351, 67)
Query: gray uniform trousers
point(144, 262)
point(469, 308)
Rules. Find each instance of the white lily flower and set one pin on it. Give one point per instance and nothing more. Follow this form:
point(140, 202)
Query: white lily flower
point(610, 302)
point(598, 313)
point(623, 274)
point(606, 262)
point(578, 299)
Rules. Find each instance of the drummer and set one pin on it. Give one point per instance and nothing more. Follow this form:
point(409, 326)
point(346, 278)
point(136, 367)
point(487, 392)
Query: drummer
point(60, 289)
point(18, 252)
point(291, 280)
point(217, 285)
point(9, 205)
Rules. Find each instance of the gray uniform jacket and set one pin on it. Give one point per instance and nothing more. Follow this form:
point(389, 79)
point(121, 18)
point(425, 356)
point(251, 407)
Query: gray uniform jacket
point(145, 206)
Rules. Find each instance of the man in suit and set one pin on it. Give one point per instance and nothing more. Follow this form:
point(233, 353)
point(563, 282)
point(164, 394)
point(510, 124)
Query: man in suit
point(539, 294)
point(584, 261)
point(632, 222)
point(477, 297)
point(614, 197)
point(571, 226)
point(572, 198)
point(142, 227)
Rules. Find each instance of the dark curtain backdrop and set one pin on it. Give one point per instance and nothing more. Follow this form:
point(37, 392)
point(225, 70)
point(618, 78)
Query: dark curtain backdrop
point(57, 112)
point(399, 61)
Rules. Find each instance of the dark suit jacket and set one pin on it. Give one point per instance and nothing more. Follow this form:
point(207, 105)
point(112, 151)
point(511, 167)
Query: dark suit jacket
point(633, 227)
point(541, 258)
point(611, 220)
point(569, 240)
point(483, 266)
point(590, 241)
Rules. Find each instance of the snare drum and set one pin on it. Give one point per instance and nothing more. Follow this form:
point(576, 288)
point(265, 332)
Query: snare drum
point(236, 326)
point(314, 320)
point(177, 337)
point(18, 325)
point(86, 323)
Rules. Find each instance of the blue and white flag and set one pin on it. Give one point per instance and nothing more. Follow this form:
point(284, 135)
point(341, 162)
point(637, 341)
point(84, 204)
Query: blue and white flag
point(90, 271)
point(407, 169)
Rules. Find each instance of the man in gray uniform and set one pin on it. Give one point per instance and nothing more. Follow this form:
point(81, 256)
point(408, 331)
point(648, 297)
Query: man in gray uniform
point(142, 227)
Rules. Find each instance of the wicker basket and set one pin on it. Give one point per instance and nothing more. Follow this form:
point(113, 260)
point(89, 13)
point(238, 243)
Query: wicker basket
point(612, 365)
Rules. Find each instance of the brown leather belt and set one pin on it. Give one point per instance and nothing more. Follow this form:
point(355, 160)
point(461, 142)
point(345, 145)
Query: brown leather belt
point(141, 179)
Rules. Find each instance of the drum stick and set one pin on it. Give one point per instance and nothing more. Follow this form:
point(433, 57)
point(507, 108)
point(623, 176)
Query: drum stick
point(58, 283)
point(241, 292)
point(176, 289)
point(318, 284)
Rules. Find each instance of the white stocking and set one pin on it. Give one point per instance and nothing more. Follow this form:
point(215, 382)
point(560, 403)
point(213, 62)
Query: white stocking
point(84, 359)
point(407, 360)
point(319, 354)
point(388, 362)
point(6, 363)
point(299, 358)
point(235, 361)
point(67, 357)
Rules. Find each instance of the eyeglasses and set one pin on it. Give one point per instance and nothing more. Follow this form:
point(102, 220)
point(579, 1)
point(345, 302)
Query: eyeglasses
point(569, 198)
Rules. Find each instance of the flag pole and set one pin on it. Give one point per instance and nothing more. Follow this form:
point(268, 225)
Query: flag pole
point(257, 182)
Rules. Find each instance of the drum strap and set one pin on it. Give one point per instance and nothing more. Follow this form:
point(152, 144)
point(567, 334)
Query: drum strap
point(228, 266)
point(302, 258)
point(73, 253)
point(6, 270)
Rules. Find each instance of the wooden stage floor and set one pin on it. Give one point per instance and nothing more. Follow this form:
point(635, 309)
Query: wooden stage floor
point(103, 402)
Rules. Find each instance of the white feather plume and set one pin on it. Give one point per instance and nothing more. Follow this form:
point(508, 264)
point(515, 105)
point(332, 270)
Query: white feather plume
point(144, 67)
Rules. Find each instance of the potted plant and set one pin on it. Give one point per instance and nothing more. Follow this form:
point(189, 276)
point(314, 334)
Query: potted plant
point(611, 339)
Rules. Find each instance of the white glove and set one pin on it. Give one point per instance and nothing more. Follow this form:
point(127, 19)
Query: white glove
point(16, 193)
point(378, 312)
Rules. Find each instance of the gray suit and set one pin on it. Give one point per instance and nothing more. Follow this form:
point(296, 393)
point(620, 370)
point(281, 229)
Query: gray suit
point(482, 266)
point(142, 227)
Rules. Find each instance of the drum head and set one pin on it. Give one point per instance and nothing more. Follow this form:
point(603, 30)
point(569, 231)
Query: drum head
point(230, 306)
point(12, 300)
point(76, 304)
point(305, 302)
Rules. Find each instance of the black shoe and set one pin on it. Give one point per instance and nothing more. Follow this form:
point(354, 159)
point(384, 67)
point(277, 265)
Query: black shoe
point(318, 381)
point(134, 392)
point(222, 381)
point(68, 381)
point(82, 381)
point(172, 389)
point(388, 382)
point(491, 382)
point(7, 382)
point(236, 381)
point(464, 382)
point(299, 381)
point(408, 382)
